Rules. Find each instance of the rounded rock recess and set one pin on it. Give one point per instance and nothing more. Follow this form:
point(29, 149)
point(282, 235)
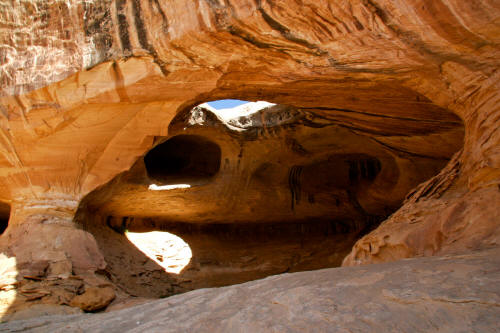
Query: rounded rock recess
point(4, 216)
point(189, 159)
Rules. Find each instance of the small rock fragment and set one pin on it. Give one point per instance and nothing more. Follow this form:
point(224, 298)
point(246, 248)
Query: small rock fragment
point(94, 299)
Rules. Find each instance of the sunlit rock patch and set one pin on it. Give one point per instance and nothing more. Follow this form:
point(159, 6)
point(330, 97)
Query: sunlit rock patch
point(166, 249)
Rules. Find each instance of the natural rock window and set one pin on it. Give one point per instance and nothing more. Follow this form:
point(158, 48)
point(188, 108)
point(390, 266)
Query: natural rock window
point(381, 145)
point(183, 159)
point(226, 103)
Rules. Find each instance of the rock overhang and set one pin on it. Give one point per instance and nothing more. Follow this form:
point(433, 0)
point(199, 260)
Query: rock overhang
point(396, 73)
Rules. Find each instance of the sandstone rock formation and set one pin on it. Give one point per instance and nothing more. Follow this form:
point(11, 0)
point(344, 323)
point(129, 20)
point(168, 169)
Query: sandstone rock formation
point(276, 190)
point(94, 299)
point(392, 86)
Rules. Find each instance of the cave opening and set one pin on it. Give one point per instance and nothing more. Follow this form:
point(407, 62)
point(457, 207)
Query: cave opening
point(183, 159)
point(3, 224)
point(257, 189)
point(4, 216)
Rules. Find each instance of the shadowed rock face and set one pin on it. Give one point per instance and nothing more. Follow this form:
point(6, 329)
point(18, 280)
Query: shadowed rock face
point(276, 190)
point(183, 159)
point(380, 91)
point(294, 166)
point(4, 216)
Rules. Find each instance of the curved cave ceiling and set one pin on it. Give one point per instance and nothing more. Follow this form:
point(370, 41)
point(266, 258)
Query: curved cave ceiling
point(103, 134)
point(268, 179)
point(277, 164)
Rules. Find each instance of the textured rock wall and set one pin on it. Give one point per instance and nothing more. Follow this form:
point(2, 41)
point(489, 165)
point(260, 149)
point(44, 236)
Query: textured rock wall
point(279, 189)
point(42, 42)
point(222, 254)
point(278, 164)
point(110, 76)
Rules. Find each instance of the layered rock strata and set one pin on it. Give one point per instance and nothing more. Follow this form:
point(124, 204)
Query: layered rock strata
point(88, 85)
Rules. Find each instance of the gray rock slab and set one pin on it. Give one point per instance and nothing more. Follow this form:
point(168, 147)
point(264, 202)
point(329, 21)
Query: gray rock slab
point(435, 294)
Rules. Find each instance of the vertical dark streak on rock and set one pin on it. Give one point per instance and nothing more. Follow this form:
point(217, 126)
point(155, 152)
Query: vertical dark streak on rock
point(108, 221)
point(142, 35)
point(120, 83)
point(139, 25)
point(165, 23)
point(291, 187)
point(353, 172)
point(377, 10)
point(123, 26)
point(295, 185)
point(363, 169)
point(123, 227)
point(358, 24)
point(359, 224)
point(97, 26)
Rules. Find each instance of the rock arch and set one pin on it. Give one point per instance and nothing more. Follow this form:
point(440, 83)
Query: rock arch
point(402, 74)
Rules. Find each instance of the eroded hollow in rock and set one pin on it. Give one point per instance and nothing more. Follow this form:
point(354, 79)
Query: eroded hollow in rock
point(4, 216)
point(276, 189)
point(3, 225)
point(342, 171)
point(183, 159)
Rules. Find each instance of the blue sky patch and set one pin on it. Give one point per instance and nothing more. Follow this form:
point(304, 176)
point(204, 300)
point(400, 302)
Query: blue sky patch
point(226, 103)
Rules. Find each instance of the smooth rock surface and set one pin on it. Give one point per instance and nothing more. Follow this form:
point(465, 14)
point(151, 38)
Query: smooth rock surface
point(438, 294)
point(40, 310)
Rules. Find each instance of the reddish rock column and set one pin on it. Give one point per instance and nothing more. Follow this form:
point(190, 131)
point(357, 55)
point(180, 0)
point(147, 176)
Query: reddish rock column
point(46, 242)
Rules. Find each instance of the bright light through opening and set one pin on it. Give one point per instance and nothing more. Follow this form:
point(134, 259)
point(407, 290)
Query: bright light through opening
point(226, 103)
point(164, 248)
point(8, 283)
point(154, 187)
point(242, 110)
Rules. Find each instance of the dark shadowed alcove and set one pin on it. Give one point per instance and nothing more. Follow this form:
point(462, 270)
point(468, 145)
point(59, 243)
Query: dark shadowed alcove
point(4, 216)
point(183, 158)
